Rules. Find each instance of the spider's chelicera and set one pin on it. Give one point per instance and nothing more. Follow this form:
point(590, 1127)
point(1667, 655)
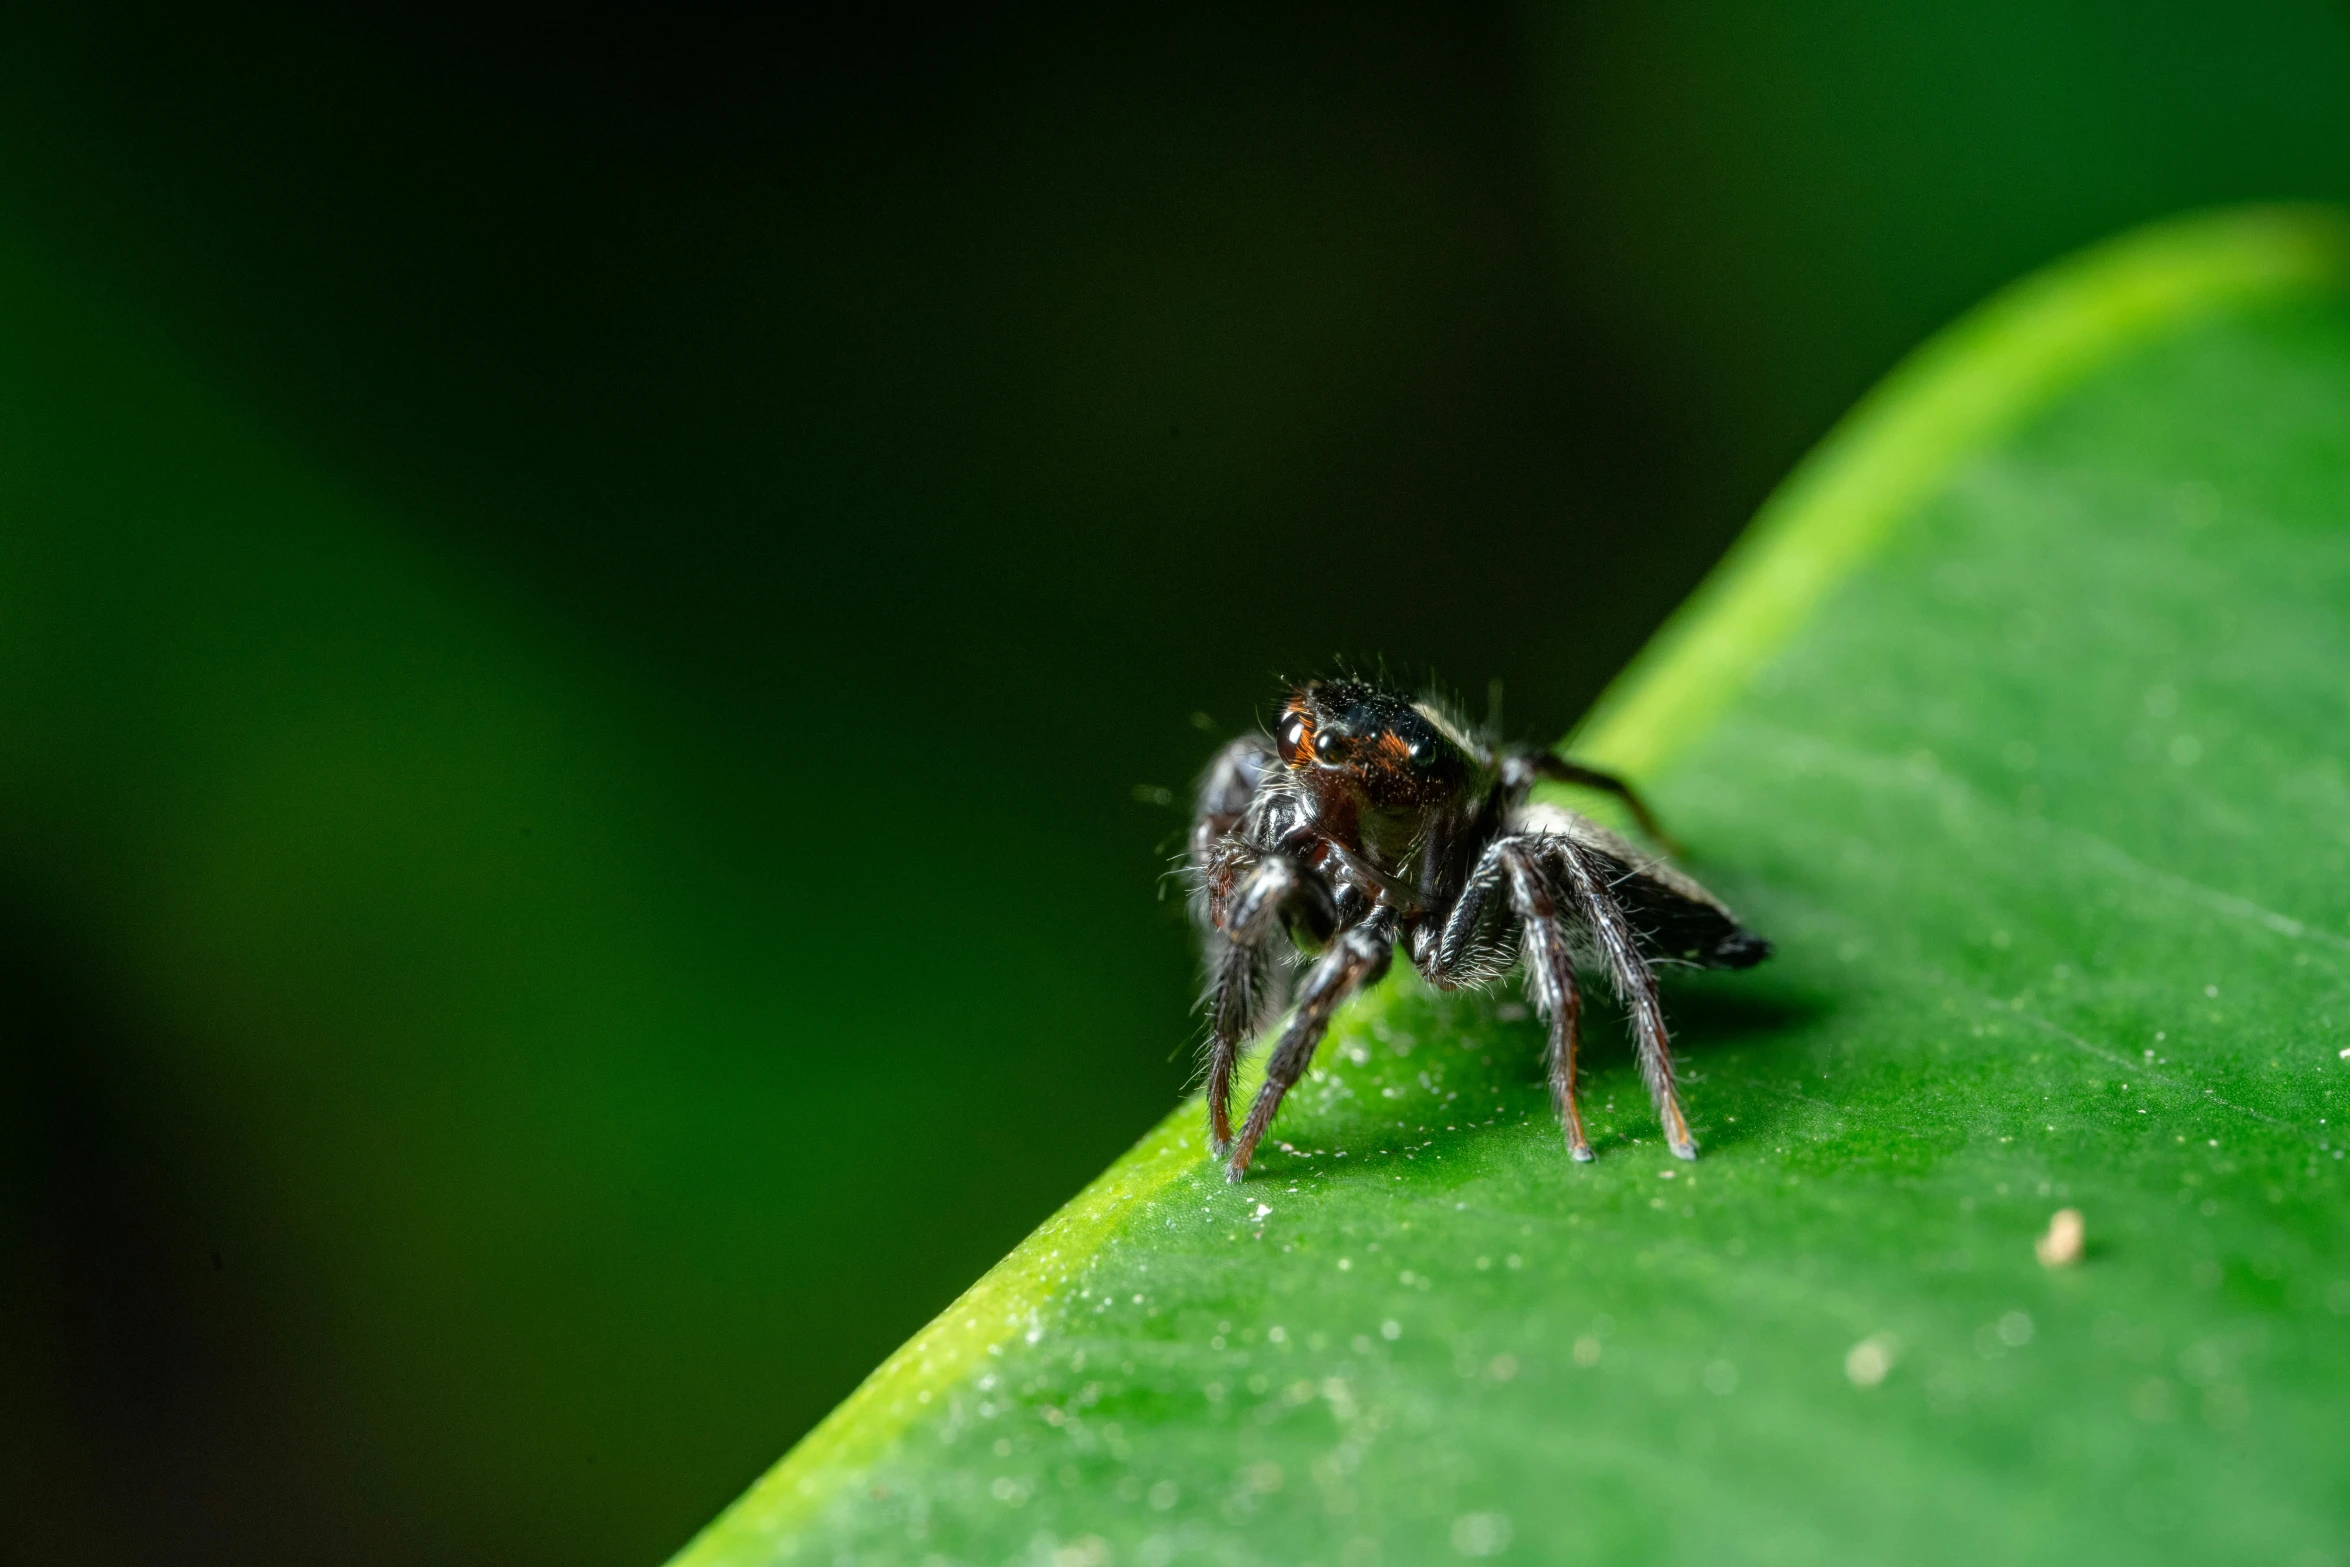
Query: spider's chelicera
point(1369, 820)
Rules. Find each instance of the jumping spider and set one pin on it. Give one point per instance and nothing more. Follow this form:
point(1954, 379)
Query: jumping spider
point(1370, 819)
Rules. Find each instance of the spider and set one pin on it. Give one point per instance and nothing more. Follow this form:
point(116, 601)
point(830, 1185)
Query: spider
point(1370, 819)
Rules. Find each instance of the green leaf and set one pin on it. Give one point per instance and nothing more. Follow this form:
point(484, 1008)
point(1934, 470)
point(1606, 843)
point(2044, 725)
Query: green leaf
point(2019, 723)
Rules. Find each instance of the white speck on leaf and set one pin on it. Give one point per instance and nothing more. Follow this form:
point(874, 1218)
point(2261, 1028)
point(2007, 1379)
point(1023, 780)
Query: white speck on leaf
point(1481, 1534)
point(2060, 1246)
point(1867, 1362)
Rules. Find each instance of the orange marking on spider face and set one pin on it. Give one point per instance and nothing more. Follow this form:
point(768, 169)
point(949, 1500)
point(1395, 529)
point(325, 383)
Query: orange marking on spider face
point(1394, 752)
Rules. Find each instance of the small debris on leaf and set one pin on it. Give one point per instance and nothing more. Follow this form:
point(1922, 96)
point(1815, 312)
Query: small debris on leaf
point(1867, 1361)
point(2061, 1246)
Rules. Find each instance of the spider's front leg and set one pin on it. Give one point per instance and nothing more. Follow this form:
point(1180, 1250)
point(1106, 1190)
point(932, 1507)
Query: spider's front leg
point(1247, 933)
point(1358, 958)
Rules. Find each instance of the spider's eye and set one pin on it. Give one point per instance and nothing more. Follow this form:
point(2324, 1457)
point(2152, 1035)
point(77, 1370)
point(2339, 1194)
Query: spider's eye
point(1290, 737)
point(1422, 753)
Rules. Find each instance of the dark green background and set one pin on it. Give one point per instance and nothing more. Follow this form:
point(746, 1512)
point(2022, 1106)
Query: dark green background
point(583, 602)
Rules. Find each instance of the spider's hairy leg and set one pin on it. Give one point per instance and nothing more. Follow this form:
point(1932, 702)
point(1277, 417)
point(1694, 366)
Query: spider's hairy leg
point(1635, 982)
point(1550, 980)
point(1238, 977)
point(1558, 769)
point(1237, 898)
point(1225, 789)
point(1358, 958)
point(1510, 877)
point(1243, 969)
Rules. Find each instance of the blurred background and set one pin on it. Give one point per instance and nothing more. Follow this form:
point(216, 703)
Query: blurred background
point(599, 613)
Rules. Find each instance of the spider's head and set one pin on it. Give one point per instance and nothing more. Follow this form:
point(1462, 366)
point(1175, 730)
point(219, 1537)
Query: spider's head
point(1356, 745)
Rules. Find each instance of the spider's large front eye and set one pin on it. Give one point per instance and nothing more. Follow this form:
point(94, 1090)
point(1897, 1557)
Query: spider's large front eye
point(1290, 736)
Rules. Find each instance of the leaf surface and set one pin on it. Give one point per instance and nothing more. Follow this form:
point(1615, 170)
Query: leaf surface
point(2019, 723)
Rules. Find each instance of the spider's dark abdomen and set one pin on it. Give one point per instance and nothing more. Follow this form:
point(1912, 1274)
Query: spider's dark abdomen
point(1677, 928)
point(1743, 949)
point(1674, 917)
